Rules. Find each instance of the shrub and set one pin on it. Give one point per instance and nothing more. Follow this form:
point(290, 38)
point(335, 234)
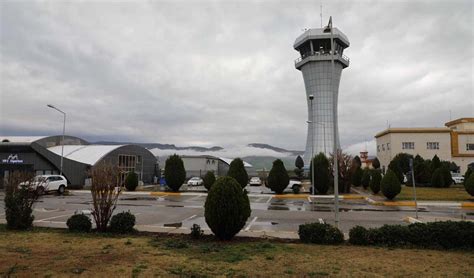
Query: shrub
point(19, 199)
point(359, 235)
point(238, 172)
point(175, 174)
point(122, 223)
point(435, 163)
point(447, 178)
point(321, 173)
point(227, 208)
point(131, 181)
point(469, 184)
point(396, 169)
point(296, 189)
point(390, 185)
point(437, 180)
point(375, 179)
point(468, 173)
point(376, 163)
point(278, 178)
point(357, 177)
point(365, 180)
point(79, 223)
point(196, 231)
point(320, 234)
point(209, 180)
point(299, 163)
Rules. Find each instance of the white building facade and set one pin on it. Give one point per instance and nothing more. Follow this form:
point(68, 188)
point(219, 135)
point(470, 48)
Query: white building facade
point(455, 143)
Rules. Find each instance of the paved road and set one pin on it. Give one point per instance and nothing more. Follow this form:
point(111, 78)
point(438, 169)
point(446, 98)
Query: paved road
point(268, 213)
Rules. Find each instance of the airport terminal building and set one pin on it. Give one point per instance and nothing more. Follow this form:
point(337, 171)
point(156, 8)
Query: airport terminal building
point(42, 156)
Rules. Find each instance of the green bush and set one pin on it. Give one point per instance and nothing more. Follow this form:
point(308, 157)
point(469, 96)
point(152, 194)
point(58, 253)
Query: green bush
point(19, 199)
point(209, 180)
point(238, 172)
point(227, 208)
point(122, 223)
point(469, 184)
point(357, 177)
point(468, 173)
point(299, 163)
point(390, 185)
point(320, 234)
point(321, 173)
point(196, 232)
point(131, 181)
point(438, 180)
point(375, 179)
point(79, 223)
point(396, 169)
point(278, 178)
point(447, 177)
point(376, 163)
point(365, 181)
point(359, 235)
point(435, 163)
point(447, 235)
point(175, 174)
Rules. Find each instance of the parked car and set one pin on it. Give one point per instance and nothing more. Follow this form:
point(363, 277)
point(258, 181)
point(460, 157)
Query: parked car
point(255, 181)
point(457, 178)
point(48, 183)
point(293, 184)
point(195, 181)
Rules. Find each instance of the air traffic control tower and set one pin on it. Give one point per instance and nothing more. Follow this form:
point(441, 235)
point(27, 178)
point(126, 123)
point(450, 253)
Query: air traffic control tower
point(314, 46)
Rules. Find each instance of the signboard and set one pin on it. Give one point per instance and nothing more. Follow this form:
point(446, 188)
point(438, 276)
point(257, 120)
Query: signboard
point(12, 159)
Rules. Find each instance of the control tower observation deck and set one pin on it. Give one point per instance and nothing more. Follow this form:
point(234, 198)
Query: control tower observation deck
point(314, 46)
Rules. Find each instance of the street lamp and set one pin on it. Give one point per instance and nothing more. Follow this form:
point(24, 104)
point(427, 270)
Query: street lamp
point(64, 130)
point(311, 97)
point(335, 153)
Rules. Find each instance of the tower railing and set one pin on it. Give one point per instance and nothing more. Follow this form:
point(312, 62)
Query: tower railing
point(321, 53)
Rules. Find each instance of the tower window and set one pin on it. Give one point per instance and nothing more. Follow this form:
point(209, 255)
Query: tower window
point(408, 145)
point(469, 147)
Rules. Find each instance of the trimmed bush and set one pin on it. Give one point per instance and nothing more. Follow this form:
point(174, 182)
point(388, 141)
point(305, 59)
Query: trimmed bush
point(122, 223)
point(238, 172)
point(196, 232)
point(278, 178)
point(375, 179)
point(321, 173)
point(175, 174)
point(447, 177)
point(359, 235)
point(227, 208)
point(299, 163)
point(357, 177)
point(394, 166)
point(79, 223)
point(468, 173)
point(390, 185)
point(320, 234)
point(376, 163)
point(365, 181)
point(469, 184)
point(438, 180)
point(131, 181)
point(208, 180)
point(447, 235)
point(435, 163)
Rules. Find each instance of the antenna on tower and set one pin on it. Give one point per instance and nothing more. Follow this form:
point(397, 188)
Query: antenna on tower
point(321, 14)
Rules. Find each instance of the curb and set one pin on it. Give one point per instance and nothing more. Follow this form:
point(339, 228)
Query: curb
point(467, 205)
point(399, 204)
point(412, 220)
point(291, 196)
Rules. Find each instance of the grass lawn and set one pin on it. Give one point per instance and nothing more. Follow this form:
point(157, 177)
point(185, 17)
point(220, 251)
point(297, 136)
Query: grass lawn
point(51, 253)
point(453, 193)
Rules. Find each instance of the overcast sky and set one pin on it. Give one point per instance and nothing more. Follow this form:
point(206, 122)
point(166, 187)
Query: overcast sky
point(222, 72)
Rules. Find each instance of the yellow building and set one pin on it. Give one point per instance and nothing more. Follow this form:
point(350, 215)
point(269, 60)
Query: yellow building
point(455, 142)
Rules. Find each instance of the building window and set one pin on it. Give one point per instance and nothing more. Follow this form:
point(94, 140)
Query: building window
point(388, 146)
point(470, 147)
point(408, 145)
point(432, 145)
point(378, 148)
point(383, 147)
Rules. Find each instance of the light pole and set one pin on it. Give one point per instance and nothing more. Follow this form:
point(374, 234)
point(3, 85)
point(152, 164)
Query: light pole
point(311, 97)
point(335, 153)
point(64, 130)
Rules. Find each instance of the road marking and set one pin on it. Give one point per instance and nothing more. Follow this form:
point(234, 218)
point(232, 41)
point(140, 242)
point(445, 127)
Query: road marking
point(309, 199)
point(189, 218)
point(251, 223)
point(321, 221)
point(269, 199)
point(54, 217)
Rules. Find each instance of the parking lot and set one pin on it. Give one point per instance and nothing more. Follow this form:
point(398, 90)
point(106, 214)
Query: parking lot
point(269, 214)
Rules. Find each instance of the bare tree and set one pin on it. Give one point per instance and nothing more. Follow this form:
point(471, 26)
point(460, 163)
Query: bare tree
point(345, 170)
point(20, 195)
point(105, 191)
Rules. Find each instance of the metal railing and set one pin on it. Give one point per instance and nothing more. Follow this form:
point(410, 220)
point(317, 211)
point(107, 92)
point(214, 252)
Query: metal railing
point(321, 53)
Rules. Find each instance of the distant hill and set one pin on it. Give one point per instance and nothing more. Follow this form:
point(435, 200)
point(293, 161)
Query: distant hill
point(277, 149)
point(163, 146)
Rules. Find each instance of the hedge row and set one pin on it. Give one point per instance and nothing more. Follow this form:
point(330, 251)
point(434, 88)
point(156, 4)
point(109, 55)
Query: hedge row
point(446, 234)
